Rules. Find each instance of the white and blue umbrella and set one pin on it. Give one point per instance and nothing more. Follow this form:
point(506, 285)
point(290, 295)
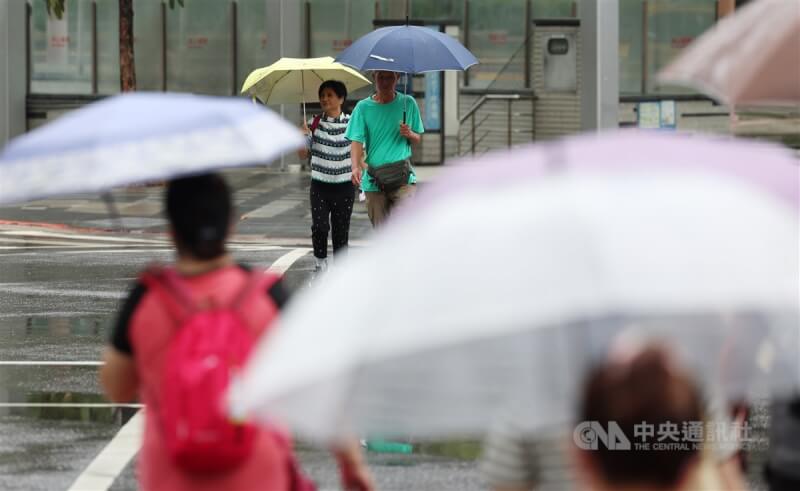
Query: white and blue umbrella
point(140, 137)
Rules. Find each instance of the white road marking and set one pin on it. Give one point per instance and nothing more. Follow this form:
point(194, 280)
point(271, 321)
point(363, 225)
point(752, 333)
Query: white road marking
point(91, 405)
point(285, 262)
point(25, 363)
point(94, 238)
point(53, 292)
point(12, 240)
point(113, 458)
point(77, 313)
point(80, 249)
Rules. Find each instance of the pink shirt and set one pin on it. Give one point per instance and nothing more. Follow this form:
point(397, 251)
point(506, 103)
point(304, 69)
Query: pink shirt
point(149, 331)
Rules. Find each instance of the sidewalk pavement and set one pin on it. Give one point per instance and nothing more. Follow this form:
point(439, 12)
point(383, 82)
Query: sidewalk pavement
point(272, 205)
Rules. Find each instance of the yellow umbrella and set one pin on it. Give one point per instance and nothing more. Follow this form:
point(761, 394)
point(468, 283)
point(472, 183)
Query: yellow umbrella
point(291, 80)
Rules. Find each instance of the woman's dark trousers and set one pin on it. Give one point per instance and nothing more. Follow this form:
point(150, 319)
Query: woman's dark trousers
point(331, 207)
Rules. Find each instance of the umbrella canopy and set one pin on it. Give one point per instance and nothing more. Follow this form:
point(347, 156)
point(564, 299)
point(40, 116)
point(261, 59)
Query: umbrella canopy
point(291, 80)
point(409, 49)
point(507, 276)
point(139, 137)
point(749, 57)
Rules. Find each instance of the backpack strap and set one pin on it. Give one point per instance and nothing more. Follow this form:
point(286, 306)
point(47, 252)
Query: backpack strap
point(315, 124)
point(178, 299)
point(171, 290)
point(258, 280)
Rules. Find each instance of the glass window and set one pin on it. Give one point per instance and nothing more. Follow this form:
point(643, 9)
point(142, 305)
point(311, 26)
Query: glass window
point(108, 47)
point(671, 26)
point(199, 48)
point(49, 72)
point(496, 38)
point(630, 46)
point(335, 24)
point(431, 10)
point(252, 38)
point(61, 49)
point(553, 8)
point(148, 43)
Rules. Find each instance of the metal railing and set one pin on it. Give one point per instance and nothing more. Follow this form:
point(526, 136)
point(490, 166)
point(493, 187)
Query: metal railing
point(474, 127)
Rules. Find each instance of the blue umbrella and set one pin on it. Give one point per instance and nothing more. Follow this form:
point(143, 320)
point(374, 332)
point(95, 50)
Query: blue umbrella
point(140, 137)
point(408, 49)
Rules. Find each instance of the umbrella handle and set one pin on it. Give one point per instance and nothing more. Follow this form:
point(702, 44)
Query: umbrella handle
point(404, 99)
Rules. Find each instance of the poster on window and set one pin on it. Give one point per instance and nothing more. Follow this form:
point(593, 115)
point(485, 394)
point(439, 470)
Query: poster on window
point(57, 40)
point(433, 101)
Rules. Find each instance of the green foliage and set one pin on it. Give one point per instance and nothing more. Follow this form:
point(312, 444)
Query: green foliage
point(55, 7)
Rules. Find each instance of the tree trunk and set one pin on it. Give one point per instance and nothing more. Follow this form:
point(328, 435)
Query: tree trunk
point(127, 68)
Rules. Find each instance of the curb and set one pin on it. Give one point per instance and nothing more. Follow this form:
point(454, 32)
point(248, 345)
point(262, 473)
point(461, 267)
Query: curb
point(53, 226)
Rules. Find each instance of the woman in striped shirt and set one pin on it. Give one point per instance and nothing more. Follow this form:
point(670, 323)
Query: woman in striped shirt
point(332, 191)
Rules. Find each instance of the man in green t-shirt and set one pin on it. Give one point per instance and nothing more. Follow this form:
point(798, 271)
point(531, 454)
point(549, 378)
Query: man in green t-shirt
point(379, 136)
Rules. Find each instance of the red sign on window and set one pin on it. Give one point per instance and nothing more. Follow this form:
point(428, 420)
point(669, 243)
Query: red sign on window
point(498, 37)
point(197, 42)
point(340, 44)
point(59, 41)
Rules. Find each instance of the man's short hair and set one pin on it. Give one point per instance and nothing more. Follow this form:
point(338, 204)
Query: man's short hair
point(199, 209)
point(336, 86)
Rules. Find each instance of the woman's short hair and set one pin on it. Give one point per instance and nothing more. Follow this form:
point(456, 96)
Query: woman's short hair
point(646, 389)
point(199, 208)
point(336, 86)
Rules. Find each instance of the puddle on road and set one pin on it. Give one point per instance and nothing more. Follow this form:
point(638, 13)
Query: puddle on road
point(54, 406)
point(53, 338)
point(66, 326)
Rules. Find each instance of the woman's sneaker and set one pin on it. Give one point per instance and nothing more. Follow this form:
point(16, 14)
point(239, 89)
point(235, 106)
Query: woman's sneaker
point(320, 266)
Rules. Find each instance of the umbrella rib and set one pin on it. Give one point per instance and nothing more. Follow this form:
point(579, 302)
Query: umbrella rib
point(284, 75)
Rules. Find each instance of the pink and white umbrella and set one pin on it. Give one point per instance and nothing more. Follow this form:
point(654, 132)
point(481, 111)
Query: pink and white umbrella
point(510, 273)
point(749, 57)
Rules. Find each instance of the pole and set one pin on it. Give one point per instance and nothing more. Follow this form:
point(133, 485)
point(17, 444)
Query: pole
point(234, 48)
point(600, 64)
point(163, 47)
point(94, 47)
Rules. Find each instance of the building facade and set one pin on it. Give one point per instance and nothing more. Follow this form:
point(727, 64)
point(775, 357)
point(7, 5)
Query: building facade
point(209, 47)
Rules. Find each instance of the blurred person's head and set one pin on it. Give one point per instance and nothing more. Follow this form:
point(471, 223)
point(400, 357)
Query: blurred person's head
point(385, 81)
point(199, 210)
point(332, 94)
point(631, 389)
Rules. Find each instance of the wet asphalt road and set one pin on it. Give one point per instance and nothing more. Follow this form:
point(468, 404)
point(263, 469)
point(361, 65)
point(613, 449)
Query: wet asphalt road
point(57, 303)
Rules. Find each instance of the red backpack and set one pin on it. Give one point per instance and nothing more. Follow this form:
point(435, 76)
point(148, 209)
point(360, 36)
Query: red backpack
point(209, 347)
